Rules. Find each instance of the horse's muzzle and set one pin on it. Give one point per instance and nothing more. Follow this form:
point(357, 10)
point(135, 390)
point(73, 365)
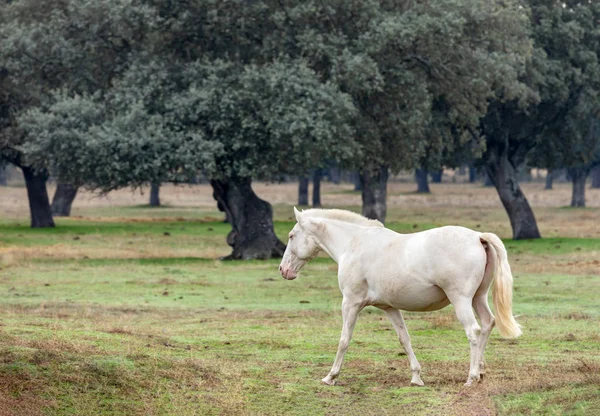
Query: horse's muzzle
point(287, 273)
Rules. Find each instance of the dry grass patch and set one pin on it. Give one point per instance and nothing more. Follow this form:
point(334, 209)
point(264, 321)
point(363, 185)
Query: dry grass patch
point(577, 316)
point(577, 263)
point(10, 256)
point(520, 377)
point(20, 394)
point(444, 319)
point(137, 220)
point(119, 330)
point(473, 401)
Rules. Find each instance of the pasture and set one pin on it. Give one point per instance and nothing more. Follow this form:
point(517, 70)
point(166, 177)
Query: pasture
point(126, 310)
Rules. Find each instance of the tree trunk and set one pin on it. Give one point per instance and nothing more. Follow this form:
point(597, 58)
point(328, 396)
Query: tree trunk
point(422, 181)
point(549, 179)
point(39, 205)
point(596, 177)
point(155, 195)
point(252, 235)
point(303, 190)
point(374, 192)
point(2, 175)
point(504, 177)
point(578, 177)
point(472, 173)
point(222, 209)
point(63, 199)
point(436, 177)
point(316, 196)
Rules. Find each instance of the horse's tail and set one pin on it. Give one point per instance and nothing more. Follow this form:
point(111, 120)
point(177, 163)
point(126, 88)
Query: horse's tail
point(502, 291)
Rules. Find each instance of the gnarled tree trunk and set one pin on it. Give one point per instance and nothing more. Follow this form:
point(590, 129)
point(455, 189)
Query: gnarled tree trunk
point(316, 194)
point(222, 209)
point(39, 205)
point(252, 235)
point(422, 181)
point(303, 190)
point(504, 177)
point(374, 192)
point(578, 178)
point(155, 194)
point(63, 199)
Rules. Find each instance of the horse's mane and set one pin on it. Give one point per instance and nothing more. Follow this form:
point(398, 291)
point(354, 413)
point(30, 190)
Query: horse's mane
point(341, 215)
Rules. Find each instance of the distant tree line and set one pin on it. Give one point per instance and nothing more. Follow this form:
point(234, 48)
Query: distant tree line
point(116, 93)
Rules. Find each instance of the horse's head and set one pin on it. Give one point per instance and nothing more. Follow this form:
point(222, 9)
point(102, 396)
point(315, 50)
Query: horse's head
point(301, 247)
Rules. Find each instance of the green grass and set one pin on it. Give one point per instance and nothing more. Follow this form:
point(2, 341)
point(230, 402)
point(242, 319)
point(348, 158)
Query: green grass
point(553, 246)
point(167, 329)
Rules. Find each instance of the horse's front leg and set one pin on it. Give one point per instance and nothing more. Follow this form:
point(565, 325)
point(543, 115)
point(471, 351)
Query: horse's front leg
point(350, 310)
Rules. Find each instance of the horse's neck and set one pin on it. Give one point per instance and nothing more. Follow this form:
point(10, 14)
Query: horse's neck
point(337, 237)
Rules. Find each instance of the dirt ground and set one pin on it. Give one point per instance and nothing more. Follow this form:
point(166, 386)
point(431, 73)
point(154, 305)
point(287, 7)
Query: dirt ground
point(13, 200)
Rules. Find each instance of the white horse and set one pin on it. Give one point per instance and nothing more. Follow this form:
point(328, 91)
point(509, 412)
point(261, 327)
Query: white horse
point(424, 271)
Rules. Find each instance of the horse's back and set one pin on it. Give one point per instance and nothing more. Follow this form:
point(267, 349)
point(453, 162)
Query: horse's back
point(449, 252)
point(416, 271)
point(439, 248)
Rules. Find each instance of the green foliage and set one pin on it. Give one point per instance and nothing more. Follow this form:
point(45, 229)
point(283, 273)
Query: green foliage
point(73, 46)
point(169, 109)
point(269, 119)
point(559, 123)
point(238, 88)
point(60, 128)
point(420, 73)
point(570, 37)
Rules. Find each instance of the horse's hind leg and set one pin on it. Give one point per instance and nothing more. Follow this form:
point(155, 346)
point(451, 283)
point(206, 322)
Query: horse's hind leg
point(350, 312)
point(480, 304)
point(397, 320)
point(464, 312)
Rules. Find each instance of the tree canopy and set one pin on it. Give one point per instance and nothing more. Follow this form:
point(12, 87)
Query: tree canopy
point(552, 125)
point(120, 93)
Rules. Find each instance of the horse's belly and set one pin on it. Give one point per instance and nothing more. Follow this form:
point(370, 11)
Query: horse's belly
point(416, 298)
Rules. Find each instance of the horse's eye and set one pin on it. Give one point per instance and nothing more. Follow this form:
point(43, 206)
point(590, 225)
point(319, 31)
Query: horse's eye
point(291, 237)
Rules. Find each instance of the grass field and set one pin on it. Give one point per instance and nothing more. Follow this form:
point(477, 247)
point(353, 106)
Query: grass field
point(126, 310)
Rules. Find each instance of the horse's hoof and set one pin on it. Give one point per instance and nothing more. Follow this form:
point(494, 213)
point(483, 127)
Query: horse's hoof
point(329, 381)
point(471, 380)
point(418, 382)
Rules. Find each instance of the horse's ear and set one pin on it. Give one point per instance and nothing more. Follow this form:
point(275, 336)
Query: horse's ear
point(297, 214)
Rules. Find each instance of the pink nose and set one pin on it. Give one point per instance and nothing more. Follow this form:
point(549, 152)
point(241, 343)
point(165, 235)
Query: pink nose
point(287, 273)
